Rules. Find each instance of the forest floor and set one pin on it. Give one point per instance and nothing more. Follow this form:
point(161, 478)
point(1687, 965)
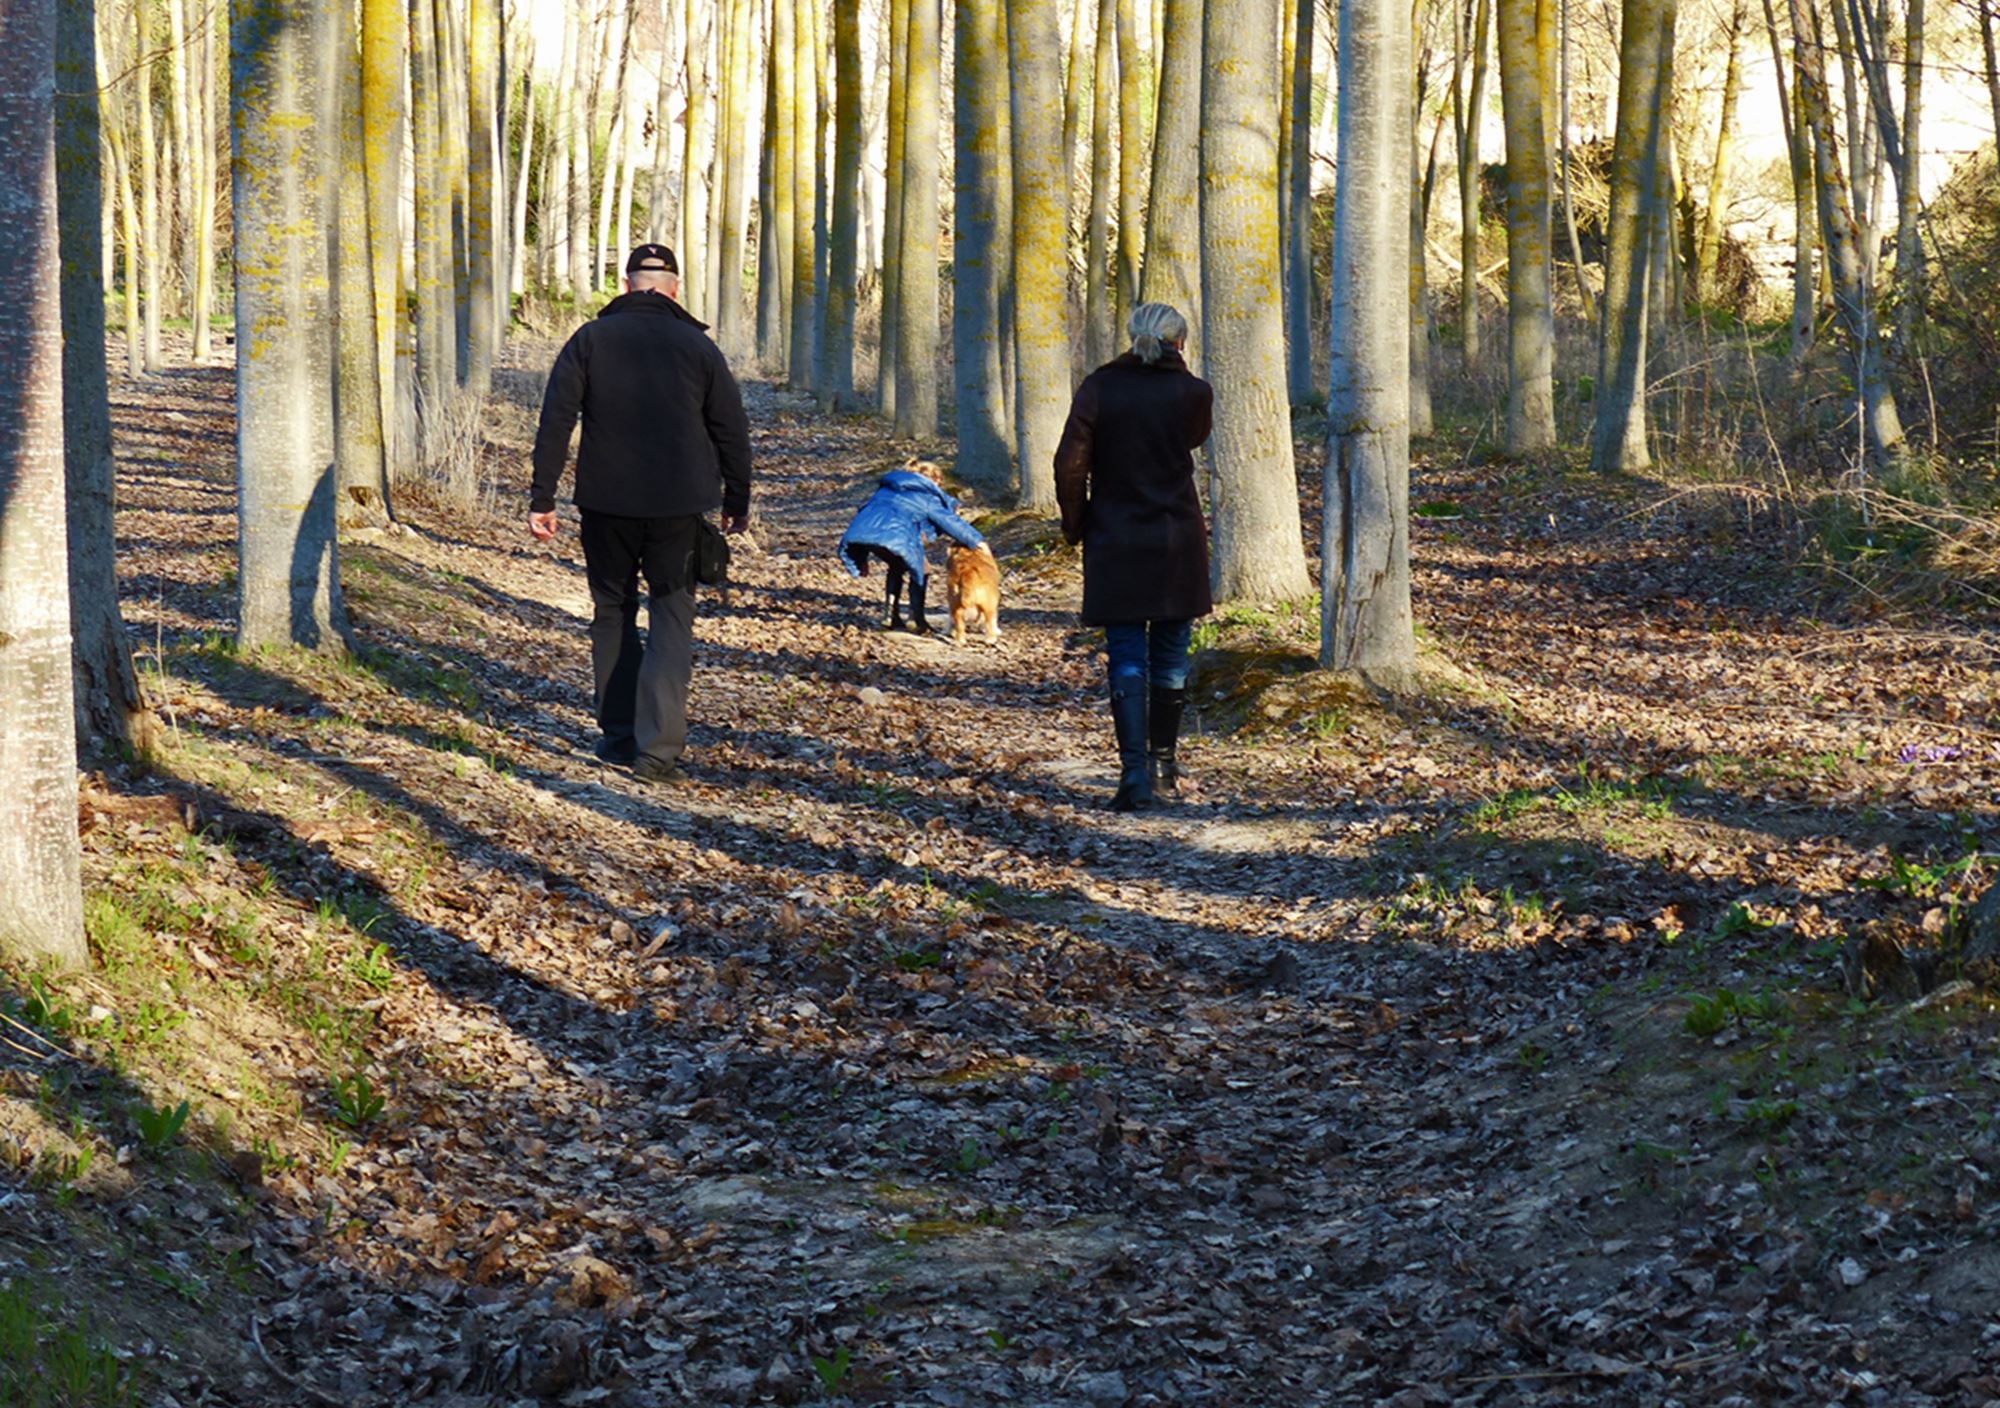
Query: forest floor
point(1542, 1040)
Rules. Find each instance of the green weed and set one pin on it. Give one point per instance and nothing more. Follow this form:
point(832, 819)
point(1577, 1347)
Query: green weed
point(47, 1364)
point(159, 1127)
point(356, 1103)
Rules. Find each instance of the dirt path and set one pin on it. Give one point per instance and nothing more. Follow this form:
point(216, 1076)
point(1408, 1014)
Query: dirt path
point(879, 1062)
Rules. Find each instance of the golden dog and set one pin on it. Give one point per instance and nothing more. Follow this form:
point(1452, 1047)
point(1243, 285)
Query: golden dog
point(972, 592)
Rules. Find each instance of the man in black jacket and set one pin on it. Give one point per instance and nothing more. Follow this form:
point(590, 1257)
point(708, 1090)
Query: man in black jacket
point(664, 441)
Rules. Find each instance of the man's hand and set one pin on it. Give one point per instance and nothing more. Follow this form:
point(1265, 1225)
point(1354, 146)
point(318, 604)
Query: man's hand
point(542, 525)
point(738, 524)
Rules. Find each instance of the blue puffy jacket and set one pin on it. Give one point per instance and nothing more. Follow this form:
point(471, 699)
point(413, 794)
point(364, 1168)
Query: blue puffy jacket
point(899, 518)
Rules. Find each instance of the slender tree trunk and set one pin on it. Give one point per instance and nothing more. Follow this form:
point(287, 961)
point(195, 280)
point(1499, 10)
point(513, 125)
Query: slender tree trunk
point(385, 43)
point(41, 890)
point(732, 320)
point(1077, 82)
point(1468, 110)
point(360, 446)
point(1569, 199)
point(774, 193)
point(202, 303)
point(1992, 53)
point(1527, 34)
point(128, 216)
point(482, 225)
point(1708, 247)
point(1134, 144)
point(802, 333)
point(152, 264)
point(582, 135)
point(895, 172)
point(1172, 272)
point(517, 243)
point(436, 338)
point(1365, 620)
point(454, 143)
point(1909, 187)
point(553, 254)
point(111, 712)
point(1041, 236)
point(1881, 425)
point(1804, 221)
point(697, 190)
point(1618, 439)
point(917, 304)
point(280, 102)
point(662, 193)
point(1259, 552)
point(1098, 305)
point(981, 404)
point(843, 275)
point(1423, 175)
point(1298, 213)
point(180, 113)
point(619, 50)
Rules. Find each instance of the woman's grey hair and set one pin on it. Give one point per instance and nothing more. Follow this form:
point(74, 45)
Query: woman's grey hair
point(1153, 327)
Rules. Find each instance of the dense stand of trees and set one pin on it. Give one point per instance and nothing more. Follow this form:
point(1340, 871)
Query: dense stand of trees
point(836, 175)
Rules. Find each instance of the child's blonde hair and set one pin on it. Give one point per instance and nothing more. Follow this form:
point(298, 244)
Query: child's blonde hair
point(928, 468)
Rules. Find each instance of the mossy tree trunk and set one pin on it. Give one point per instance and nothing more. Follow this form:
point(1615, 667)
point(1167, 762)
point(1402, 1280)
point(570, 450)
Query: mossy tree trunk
point(1259, 551)
point(1041, 236)
point(1527, 93)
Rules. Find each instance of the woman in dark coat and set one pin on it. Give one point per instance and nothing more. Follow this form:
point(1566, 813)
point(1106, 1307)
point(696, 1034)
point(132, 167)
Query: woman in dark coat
point(1125, 480)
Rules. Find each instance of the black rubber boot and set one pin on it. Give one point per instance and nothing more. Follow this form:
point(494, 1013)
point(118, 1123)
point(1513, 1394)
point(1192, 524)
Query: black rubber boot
point(1128, 718)
point(892, 606)
point(1163, 733)
point(920, 621)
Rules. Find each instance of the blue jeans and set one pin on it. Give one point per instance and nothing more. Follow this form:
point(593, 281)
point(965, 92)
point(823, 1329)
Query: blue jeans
point(1149, 649)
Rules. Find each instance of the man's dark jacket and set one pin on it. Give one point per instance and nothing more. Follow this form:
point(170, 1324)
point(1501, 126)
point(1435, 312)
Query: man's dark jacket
point(664, 433)
point(1125, 480)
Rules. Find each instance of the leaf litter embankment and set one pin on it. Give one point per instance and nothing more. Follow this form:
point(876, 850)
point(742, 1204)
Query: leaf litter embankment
point(879, 1062)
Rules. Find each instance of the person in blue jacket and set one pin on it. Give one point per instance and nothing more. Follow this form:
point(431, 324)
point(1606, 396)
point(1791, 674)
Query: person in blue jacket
point(894, 526)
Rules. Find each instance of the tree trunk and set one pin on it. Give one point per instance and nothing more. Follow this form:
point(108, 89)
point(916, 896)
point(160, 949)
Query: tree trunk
point(1259, 552)
point(486, 295)
point(128, 217)
point(1804, 221)
point(1618, 439)
point(436, 338)
point(1569, 199)
point(111, 712)
point(1135, 64)
point(153, 261)
point(1041, 237)
point(582, 135)
point(977, 93)
point(917, 303)
point(836, 357)
point(1468, 107)
point(802, 334)
point(1909, 187)
point(697, 168)
point(1298, 213)
point(1992, 53)
point(1882, 428)
point(41, 890)
point(1708, 247)
point(895, 172)
point(618, 49)
point(517, 242)
point(1423, 174)
point(1365, 620)
point(180, 114)
point(360, 447)
point(1098, 305)
point(202, 303)
point(732, 320)
point(385, 42)
point(280, 102)
point(1172, 271)
point(1527, 44)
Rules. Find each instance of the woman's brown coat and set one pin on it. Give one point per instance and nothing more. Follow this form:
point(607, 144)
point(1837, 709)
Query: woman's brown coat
point(1125, 480)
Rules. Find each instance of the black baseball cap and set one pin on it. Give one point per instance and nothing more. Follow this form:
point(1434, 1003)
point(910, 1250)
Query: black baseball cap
point(653, 258)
